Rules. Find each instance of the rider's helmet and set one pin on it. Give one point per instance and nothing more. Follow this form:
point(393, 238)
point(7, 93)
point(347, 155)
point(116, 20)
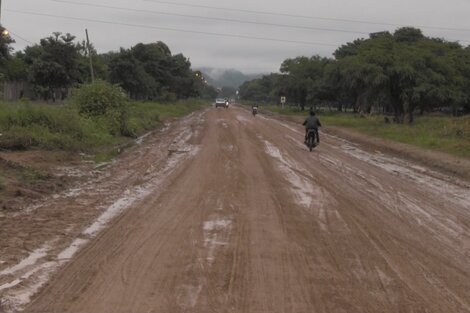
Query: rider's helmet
point(312, 112)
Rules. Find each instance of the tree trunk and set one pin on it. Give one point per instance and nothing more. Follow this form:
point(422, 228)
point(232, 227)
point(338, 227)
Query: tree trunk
point(340, 107)
point(399, 114)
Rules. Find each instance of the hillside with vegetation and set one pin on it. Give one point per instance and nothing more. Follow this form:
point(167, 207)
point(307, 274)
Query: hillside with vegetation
point(230, 78)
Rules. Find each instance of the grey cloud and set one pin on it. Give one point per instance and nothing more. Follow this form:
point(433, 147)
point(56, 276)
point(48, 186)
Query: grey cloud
point(248, 55)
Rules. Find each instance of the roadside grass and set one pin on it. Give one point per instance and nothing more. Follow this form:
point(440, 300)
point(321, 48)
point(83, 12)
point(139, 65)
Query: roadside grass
point(52, 127)
point(434, 131)
point(145, 116)
point(32, 125)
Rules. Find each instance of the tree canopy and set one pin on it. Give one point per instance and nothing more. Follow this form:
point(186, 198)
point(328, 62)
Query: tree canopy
point(60, 62)
point(398, 73)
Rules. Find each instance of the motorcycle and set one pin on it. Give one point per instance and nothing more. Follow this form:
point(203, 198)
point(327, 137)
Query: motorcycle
point(254, 111)
point(312, 139)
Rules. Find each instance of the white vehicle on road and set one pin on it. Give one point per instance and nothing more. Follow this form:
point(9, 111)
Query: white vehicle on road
point(221, 103)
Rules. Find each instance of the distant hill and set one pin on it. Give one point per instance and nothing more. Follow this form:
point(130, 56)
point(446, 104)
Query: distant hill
point(226, 77)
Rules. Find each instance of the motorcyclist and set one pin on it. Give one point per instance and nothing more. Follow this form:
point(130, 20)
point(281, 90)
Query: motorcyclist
point(312, 122)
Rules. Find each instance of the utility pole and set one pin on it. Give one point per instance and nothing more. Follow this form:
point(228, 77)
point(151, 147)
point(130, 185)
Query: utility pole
point(89, 55)
point(3, 31)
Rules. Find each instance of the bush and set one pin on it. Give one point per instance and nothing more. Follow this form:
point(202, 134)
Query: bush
point(106, 103)
point(36, 125)
point(49, 127)
point(98, 98)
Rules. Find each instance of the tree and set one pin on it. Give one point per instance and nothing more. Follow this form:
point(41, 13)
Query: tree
point(304, 83)
point(54, 64)
point(263, 89)
point(408, 34)
point(126, 71)
point(399, 73)
point(150, 71)
point(5, 53)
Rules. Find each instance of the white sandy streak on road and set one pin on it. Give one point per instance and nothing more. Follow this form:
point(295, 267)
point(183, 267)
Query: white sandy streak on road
point(455, 189)
point(16, 299)
point(213, 231)
point(452, 190)
point(308, 195)
point(30, 260)
point(301, 187)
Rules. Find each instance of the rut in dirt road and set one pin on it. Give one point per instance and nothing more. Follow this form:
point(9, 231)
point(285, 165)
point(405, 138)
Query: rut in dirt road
point(253, 222)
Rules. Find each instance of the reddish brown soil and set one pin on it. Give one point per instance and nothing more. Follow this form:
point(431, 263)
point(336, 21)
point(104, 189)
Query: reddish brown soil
point(240, 217)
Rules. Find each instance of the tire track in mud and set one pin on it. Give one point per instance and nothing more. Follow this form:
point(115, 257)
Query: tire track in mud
point(256, 223)
point(141, 179)
point(389, 195)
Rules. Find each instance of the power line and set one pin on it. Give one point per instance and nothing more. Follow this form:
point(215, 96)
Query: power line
point(19, 37)
point(233, 20)
point(357, 21)
point(174, 29)
point(209, 18)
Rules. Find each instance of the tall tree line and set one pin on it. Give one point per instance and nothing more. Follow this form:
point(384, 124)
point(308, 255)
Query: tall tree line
point(60, 62)
point(400, 73)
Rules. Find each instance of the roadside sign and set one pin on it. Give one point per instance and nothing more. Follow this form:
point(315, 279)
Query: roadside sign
point(283, 100)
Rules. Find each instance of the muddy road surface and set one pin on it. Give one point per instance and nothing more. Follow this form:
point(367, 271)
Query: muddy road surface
point(238, 216)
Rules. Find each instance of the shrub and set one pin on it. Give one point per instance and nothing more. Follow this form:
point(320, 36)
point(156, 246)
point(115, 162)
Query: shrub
point(106, 103)
point(98, 98)
point(49, 127)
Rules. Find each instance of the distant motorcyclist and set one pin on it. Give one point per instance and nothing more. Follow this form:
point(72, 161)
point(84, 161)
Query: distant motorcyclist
point(312, 123)
point(254, 109)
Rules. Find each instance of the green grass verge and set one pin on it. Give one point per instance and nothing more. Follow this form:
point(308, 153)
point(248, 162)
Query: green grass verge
point(437, 132)
point(145, 116)
point(42, 126)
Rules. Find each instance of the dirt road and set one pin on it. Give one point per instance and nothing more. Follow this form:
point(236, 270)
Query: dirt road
point(242, 218)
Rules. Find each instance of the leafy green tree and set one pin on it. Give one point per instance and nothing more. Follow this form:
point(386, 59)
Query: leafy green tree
point(263, 89)
point(150, 71)
point(126, 71)
point(5, 54)
point(53, 64)
point(400, 73)
point(304, 82)
point(181, 80)
point(16, 68)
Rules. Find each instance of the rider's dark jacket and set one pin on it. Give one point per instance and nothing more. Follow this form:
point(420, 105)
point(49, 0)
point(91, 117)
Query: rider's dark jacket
point(312, 122)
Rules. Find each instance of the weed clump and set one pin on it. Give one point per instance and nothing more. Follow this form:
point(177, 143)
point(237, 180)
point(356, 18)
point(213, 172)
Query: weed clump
point(105, 103)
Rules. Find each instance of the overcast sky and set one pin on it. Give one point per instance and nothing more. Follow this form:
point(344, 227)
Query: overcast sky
point(446, 19)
